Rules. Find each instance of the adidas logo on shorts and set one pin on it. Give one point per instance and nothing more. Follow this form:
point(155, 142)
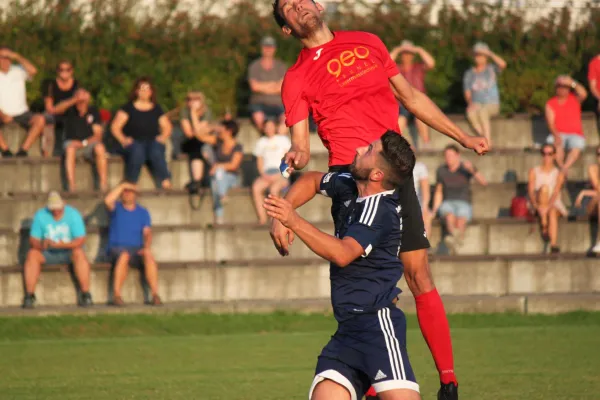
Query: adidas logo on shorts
point(380, 375)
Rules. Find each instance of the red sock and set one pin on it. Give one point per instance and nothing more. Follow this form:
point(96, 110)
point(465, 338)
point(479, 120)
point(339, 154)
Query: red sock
point(436, 331)
point(371, 392)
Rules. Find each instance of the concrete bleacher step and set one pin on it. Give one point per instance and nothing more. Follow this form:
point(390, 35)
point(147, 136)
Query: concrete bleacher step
point(196, 243)
point(287, 280)
point(515, 132)
point(175, 207)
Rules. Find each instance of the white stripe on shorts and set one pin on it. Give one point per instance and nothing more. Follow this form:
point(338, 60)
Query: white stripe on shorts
point(394, 365)
point(395, 343)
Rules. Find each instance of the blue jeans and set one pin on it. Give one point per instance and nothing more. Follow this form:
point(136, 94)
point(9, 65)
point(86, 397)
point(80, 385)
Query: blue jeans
point(145, 152)
point(220, 183)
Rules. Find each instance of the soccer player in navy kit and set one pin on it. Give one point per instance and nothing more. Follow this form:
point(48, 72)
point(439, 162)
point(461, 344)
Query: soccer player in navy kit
point(369, 346)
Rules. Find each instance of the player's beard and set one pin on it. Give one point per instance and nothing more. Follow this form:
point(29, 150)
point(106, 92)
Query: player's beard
point(359, 174)
point(309, 26)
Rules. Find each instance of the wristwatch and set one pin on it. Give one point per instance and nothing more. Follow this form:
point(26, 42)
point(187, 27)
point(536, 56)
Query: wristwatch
point(84, 142)
point(573, 84)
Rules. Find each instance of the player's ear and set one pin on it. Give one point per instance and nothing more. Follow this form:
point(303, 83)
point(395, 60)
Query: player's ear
point(286, 30)
point(376, 175)
point(320, 7)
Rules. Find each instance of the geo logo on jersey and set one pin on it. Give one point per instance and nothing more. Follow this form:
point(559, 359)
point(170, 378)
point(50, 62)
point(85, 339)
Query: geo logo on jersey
point(351, 64)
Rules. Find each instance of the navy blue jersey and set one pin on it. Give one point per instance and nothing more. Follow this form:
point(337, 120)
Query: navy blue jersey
point(368, 283)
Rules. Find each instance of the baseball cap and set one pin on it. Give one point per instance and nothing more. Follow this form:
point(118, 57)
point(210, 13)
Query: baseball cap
point(55, 202)
point(407, 43)
point(480, 47)
point(268, 41)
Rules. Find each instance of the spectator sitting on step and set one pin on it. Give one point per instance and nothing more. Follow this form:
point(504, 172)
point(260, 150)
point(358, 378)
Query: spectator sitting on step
point(83, 135)
point(13, 99)
point(130, 240)
point(59, 98)
point(452, 196)
point(143, 129)
point(423, 189)
point(544, 189)
point(195, 123)
point(563, 115)
point(414, 72)
point(224, 155)
point(269, 151)
point(57, 237)
point(480, 85)
point(265, 77)
point(592, 207)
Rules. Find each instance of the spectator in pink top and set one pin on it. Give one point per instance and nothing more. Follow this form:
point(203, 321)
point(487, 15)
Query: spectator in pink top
point(563, 115)
point(414, 72)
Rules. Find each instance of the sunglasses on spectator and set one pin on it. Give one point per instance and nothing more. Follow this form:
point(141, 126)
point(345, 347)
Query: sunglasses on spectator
point(545, 153)
point(193, 98)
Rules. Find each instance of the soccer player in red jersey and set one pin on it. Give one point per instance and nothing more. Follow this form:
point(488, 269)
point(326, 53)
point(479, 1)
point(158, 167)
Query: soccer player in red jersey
point(349, 83)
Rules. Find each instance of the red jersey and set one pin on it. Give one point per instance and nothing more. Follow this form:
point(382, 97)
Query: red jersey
point(567, 115)
point(345, 85)
point(594, 71)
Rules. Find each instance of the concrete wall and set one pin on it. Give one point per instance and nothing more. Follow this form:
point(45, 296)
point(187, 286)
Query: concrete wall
point(285, 281)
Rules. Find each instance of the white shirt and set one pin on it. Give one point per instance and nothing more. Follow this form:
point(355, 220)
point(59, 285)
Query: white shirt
point(13, 95)
point(272, 149)
point(419, 173)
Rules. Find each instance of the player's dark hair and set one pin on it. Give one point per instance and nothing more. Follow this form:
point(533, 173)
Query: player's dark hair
point(399, 157)
point(452, 147)
point(231, 126)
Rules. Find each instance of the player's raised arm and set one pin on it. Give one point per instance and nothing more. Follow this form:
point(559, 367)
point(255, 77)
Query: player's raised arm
point(338, 251)
point(302, 191)
point(425, 110)
point(299, 154)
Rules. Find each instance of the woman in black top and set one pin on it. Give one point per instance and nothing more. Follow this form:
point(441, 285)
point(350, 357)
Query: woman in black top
point(142, 128)
point(59, 98)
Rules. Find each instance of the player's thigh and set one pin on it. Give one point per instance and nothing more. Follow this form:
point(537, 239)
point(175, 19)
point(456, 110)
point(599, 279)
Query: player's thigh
point(336, 380)
point(414, 236)
point(399, 394)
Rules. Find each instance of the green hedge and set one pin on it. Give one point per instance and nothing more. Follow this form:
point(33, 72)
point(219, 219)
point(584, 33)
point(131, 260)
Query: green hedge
point(112, 45)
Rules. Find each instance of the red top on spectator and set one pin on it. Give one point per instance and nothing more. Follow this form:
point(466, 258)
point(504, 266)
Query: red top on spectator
point(345, 84)
point(416, 76)
point(567, 116)
point(594, 71)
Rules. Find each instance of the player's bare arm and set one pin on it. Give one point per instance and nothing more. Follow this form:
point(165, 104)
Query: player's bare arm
point(338, 251)
point(299, 154)
point(425, 110)
point(302, 191)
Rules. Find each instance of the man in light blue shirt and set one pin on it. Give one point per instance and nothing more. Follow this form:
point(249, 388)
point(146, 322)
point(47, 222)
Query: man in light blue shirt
point(57, 237)
point(480, 84)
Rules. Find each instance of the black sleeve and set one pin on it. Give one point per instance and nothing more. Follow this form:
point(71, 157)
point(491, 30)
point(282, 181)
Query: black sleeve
point(414, 236)
point(127, 108)
point(338, 186)
point(238, 148)
point(158, 110)
point(96, 115)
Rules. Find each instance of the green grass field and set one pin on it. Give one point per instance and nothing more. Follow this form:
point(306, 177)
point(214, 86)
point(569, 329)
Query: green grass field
point(254, 357)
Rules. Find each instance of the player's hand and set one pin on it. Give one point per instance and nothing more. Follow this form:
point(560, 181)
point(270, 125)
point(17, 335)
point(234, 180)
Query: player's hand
point(282, 210)
point(296, 159)
point(282, 237)
point(478, 144)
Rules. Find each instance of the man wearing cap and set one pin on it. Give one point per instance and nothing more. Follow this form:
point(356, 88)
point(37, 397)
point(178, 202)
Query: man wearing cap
point(130, 240)
point(265, 76)
point(57, 237)
point(563, 115)
point(480, 84)
point(414, 73)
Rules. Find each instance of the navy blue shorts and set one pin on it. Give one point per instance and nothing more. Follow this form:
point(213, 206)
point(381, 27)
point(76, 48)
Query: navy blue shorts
point(370, 349)
point(135, 260)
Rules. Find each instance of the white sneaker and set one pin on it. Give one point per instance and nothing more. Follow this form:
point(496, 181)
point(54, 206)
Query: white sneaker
point(596, 248)
point(450, 242)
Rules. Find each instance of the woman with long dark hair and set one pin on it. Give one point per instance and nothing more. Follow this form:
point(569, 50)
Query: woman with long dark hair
point(142, 128)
